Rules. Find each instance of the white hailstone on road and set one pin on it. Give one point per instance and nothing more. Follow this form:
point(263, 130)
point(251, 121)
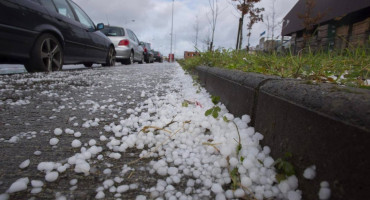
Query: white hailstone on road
point(268, 162)
point(142, 94)
point(123, 188)
point(18, 185)
point(4, 196)
point(310, 172)
point(246, 181)
point(325, 191)
point(36, 190)
point(58, 131)
point(37, 183)
point(294, 195)
point(100, 195)
point(217, 188)
point(24, 164)
point(141, 197)
point(115, 155)
point(107, 171)
point(14, 139)
point(51, 176)
point(54, 141)
point(172, 171)
point(76, 143)
point(92, 142)
point(37, 153)
point(77, 134)
point(69, 131)
point(73, 182)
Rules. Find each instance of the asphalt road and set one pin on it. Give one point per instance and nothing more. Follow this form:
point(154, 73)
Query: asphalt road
point(33, 105)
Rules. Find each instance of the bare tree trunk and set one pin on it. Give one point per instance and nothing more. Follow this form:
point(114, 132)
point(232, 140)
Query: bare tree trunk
point(196, 29)
point(238, 37)
point(213, 21)
point(241, 32)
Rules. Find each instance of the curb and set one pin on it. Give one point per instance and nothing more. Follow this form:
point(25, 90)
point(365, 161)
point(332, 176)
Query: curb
point(320, 124)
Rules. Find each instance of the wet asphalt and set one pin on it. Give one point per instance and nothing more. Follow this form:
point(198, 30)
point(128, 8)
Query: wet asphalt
point(33, 105)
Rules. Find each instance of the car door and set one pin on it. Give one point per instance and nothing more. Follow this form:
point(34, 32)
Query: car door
point(135, 44)
point(74, 35)
point(17, 22)
point(96, 43)
point(139, 50)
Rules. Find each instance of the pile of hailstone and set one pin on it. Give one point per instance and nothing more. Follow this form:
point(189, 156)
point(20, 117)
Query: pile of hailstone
point(198, 150)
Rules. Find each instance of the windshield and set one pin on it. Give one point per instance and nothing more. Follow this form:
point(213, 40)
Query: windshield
point(113, 31)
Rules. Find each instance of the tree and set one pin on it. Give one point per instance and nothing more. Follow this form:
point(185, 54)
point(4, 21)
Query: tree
point(247, 7)
point(213, 20)
point(196, 30)
point(255, 15)
point(309, 21)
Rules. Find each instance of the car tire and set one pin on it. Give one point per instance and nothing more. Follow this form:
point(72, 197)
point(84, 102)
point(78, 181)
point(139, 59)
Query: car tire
point(130, 60)
point(46, 55)
point(111, 58)
point(142, 60)
point(88, 65)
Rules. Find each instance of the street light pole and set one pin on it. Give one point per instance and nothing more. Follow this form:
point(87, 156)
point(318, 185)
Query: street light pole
point(173, 2)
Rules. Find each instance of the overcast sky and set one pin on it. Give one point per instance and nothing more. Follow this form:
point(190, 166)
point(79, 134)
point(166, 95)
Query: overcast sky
point(151, 21)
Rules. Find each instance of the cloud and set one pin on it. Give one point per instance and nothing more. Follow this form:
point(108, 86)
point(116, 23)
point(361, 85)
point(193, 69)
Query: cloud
point(152, 21)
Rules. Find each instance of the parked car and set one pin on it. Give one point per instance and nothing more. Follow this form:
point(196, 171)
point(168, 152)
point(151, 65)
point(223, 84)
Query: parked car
point(45, 34)
point(126, 43)
point(158, 57)
point(148, 53)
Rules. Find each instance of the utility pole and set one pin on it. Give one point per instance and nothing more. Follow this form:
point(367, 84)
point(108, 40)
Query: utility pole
point(173, 2)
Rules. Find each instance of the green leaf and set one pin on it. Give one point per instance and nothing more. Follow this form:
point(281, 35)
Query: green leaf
point(225, 119)
point(185, 104)
point(215, 99)
point(215, 113)
point(208, 112)
point(241, 159)
point(288, 155)
point(280, 177)
point(288, 169)
point(238, 148)
point(260, 161)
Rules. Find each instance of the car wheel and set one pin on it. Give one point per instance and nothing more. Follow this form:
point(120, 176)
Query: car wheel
point(46, 55)
point(88, 65)
point(111, 58)
point(131, 59)
point(142, 60)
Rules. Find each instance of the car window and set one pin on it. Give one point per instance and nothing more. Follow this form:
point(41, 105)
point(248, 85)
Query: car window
point(83, 18)
point(113, 31)
point(135, 38)
point(63, 8)
point(49, 5)
point(130, 35)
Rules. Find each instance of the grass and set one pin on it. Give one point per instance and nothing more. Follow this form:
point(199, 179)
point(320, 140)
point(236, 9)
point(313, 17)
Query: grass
point(347, 67)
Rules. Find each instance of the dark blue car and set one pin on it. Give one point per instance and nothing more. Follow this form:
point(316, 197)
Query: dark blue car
point(45, 34)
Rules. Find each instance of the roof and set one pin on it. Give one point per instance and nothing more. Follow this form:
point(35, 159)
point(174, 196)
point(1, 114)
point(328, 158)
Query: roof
point(330, 8)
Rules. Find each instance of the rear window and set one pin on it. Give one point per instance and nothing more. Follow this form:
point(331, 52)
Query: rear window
point(113, 31)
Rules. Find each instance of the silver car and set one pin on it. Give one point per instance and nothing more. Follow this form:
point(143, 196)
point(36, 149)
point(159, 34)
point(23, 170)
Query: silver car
point(128, 48)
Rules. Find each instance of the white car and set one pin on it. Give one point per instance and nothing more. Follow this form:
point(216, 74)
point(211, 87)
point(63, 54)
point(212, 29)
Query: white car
point(128, 48)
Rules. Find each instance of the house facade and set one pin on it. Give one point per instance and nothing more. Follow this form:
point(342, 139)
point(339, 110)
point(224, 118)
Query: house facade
point(343, 24)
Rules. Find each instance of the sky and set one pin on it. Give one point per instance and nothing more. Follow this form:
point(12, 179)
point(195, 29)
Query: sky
point(151, 21)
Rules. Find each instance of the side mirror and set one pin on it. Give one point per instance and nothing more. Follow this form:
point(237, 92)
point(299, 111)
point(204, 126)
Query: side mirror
point(100, 26)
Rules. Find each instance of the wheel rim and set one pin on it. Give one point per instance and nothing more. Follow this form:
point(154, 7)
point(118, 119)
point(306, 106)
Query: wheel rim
point(51, 55)
point(131, 58)
point(112, 57)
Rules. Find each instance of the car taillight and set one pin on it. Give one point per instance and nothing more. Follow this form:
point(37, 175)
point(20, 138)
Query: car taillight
point(124, 43)
point(145, 50)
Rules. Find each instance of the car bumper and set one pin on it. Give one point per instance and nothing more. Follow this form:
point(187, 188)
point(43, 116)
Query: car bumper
point(122, 53)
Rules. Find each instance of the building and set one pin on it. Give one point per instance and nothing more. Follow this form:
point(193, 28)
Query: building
point(189, 54)
point(344, 24)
